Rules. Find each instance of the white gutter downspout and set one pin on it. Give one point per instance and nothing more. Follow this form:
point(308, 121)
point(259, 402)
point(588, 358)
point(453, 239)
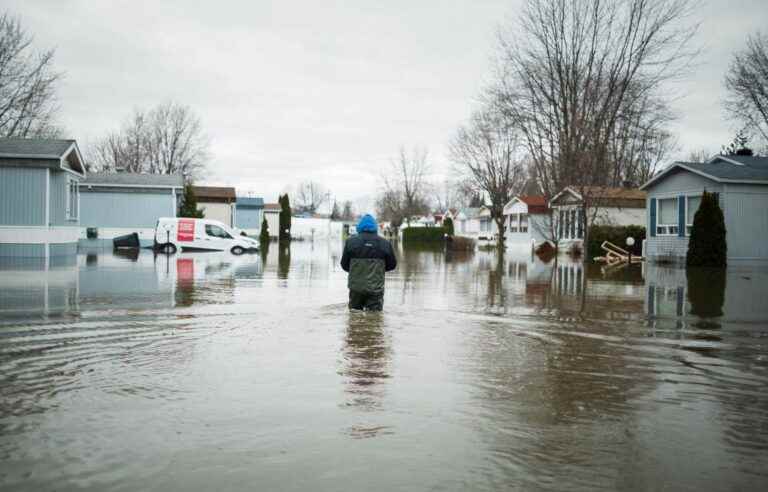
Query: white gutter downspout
point(47, 212)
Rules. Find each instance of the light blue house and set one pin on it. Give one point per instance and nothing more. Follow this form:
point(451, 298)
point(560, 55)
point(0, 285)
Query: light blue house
point(674, 195)
point(115, 204)
point(249, 212)
point(39, 199)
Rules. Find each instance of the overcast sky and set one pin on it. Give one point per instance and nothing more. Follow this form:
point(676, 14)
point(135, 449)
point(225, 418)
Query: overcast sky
point(320, 90)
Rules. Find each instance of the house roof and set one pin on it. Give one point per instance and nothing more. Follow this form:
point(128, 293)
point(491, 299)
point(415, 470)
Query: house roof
point(134, 179)
point(272, 206)
point(537, 204)
point(724, 169)
point(216, 192)
point(469, 212)
point(250, 202)
point(34, 148)
point(64, 154)
point(608, 196)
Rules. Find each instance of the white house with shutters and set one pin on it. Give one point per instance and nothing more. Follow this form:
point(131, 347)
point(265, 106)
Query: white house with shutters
point(674, 195)
point(528, 220)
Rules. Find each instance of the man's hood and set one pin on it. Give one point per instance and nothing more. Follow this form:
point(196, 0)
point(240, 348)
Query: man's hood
point(367, 224)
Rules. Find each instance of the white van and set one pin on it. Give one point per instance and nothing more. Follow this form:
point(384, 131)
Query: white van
point(176, 233)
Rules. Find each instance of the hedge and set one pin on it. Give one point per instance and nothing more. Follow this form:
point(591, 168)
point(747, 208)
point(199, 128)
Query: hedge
point(424, 234)
point(617, 235)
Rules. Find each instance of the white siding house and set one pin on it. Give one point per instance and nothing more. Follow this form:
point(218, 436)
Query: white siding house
point(466, 222)
point(741, 184)
point(528, 220)
point(217, 203)
point(614, 206)
point(39, 198)
point(488, 228)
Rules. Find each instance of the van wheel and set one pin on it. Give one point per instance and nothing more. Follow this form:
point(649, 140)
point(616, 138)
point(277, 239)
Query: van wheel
point(237, 250)
point(168, 248)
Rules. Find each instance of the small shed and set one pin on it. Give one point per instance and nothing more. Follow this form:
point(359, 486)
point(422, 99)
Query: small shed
point(249, 212)
point(217, 203)
point(528, 220)
point(674, 195)
point(121, 203)
point(39, 199)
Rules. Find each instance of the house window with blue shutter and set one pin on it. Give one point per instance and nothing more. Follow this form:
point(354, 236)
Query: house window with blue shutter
point(667, 217)
point(653, 218)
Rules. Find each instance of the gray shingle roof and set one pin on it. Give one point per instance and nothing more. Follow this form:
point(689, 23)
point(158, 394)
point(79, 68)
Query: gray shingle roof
point(136, 179)
point(34, 148)
point(747, 169)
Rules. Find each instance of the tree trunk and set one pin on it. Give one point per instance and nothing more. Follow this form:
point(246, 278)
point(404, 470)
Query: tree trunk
point(500, 232)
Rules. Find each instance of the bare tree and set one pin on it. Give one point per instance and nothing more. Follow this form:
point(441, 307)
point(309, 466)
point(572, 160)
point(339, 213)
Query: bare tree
point(28, 85)
point(575, 74)
point(168, 139)
point(746, 84)
point(407, 183)
point(487, 152)
point(310, 196)
point(699, 155)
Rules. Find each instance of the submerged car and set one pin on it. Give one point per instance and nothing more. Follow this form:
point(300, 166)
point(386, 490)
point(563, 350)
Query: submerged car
point(174, 234)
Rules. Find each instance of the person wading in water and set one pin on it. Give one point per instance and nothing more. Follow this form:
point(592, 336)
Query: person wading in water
point(366, 257)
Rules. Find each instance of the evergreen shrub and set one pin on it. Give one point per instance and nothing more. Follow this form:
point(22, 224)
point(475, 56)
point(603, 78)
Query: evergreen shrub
point(707, 245)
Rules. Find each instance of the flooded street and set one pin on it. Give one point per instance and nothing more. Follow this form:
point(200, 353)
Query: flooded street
point(214, 372)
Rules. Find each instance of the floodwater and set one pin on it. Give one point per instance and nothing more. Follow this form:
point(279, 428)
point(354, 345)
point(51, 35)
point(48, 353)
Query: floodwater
point(213, 372)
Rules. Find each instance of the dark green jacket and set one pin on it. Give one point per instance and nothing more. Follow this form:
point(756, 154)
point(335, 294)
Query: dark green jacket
point(366, 257)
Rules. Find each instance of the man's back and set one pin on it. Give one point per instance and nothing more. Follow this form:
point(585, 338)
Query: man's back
point(366, 257)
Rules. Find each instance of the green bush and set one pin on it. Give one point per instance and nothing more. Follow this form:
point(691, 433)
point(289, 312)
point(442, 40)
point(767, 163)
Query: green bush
point(448, 225)
point(617, 235)
point(264, 234)
point(707, 246)
point(189, 204)
point(285, 218)
point(424, 234)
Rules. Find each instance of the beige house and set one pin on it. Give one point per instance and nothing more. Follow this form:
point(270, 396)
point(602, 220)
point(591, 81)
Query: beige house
point(217, 203)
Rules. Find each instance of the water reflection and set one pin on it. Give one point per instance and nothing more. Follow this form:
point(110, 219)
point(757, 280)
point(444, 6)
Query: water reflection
point(283, 260)
point(367, 353)
point(482, 373)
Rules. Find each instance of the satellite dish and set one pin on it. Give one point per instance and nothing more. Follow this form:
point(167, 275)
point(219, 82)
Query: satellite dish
point(630, 241)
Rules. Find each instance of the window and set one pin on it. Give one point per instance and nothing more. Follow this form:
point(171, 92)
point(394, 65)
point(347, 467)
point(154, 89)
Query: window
point(561, 225)
point(667, 221)
point(73, 201)
point(691, 206)
point(513, 222)
point(216, 231)
point(523, 222)
point(485, 225)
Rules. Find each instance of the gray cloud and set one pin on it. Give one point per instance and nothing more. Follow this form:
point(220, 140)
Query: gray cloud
point(321, 90)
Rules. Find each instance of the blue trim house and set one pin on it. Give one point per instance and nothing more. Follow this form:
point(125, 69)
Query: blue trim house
point(121, 203)
point(674, 195)
point(249, 212)
point(39, 199)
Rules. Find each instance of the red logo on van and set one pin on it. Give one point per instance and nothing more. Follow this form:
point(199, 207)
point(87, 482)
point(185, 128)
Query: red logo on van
point(185, 230)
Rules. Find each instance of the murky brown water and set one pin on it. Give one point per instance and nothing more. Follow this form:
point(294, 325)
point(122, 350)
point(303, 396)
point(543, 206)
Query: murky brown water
point(210, 372)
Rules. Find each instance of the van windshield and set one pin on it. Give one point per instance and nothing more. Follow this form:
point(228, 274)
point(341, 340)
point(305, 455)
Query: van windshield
point(216, 231)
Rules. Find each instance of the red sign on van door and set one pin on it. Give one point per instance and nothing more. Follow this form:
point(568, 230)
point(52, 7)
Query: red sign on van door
point(185, 230)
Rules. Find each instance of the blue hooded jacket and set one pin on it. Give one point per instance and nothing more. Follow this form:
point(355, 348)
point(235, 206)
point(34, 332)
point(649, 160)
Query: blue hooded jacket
point(367, 224)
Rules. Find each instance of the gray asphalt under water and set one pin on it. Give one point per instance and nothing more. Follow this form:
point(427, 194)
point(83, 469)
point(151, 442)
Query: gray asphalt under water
point(214, 372)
